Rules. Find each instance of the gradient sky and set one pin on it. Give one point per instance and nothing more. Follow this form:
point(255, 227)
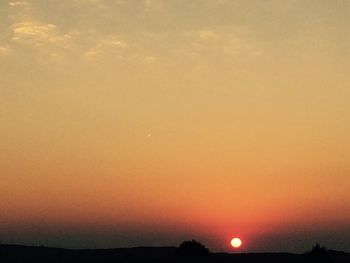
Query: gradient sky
point(147, 122)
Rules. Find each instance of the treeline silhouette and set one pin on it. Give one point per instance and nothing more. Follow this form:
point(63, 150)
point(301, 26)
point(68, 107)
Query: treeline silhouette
point(188, 251)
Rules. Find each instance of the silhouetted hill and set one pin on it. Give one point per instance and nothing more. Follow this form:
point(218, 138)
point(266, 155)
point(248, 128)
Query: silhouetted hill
point(17, 253)
point(258, 257)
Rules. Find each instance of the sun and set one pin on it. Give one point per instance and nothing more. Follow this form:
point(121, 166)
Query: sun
point(236, 242)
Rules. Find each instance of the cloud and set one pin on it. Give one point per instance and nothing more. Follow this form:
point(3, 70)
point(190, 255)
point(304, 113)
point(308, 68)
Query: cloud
point(235, 46)
point(38, 34)
point(28, 34)
point(33, 29)
point(42, 42)
point(116, 33)
point(18, 3)
point(114, 43)
point(88, 1)
point(19, 10)
point(207, 34)
point(4, 51)
point(111, 46)
point(228, 42)
point(153, 5)
point(119, 49)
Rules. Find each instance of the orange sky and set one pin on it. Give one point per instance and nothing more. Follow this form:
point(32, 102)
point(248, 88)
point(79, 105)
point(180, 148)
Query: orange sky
point(148, 122)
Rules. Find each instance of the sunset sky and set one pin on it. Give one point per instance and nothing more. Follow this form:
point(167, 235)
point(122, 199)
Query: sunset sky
point(147, 122)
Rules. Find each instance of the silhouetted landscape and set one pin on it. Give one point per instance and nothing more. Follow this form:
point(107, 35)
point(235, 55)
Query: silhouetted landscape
point(188, 251)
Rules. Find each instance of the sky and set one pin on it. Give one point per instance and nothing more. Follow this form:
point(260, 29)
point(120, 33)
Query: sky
point(146, 122)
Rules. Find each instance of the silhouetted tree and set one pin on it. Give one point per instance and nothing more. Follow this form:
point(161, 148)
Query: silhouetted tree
point(318, 254)
point(192, 250)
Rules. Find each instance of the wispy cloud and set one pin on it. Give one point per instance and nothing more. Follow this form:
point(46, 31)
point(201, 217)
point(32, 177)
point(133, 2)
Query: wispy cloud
point(31, 31)
point(95, 3)
point(38, 33)
point(220, 41)
point(153, 4)
point(4, 51)
point(19, 10)
point(18, 3)
point(111, 46)
point(207, 35)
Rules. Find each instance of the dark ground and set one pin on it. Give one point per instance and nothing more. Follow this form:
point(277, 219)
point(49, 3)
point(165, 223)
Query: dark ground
point(16, 253)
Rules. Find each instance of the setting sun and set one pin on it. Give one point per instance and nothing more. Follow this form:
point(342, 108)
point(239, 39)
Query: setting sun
point(236, 242)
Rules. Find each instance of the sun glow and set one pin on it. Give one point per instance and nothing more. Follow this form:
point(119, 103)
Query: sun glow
point(236, 242)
